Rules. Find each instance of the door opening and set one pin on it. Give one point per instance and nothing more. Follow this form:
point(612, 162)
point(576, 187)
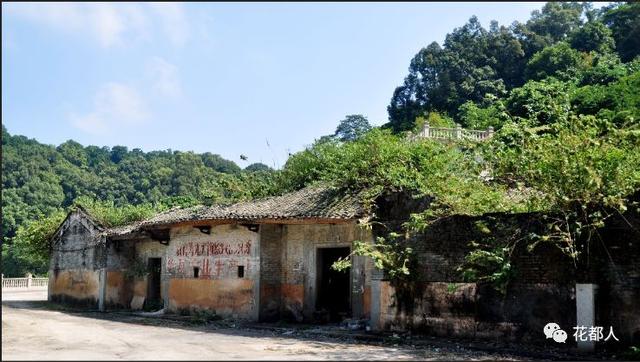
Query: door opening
point(334, 287)
point(154, 296)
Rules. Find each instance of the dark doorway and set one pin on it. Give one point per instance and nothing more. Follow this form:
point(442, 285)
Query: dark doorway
point(334, 295)
point(154, 297)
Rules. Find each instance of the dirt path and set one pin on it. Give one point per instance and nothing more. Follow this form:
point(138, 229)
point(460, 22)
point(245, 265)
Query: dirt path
point(31, 332)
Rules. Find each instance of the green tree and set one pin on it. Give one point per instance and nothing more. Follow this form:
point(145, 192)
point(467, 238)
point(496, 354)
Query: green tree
point(624, 22)
point(540, 102)
point(556, 20)
point(471, 64)
point(560, 61)
point(73, 152)
point(32, 242)
point(219, 164)
point(593, 36)
point(604, 69)
point(618, 102)
point(352, 127)
point(41, 179)
point(490, 113)
point(506, 55)
point(257, 167)
point(424, 88)
point(118, 153)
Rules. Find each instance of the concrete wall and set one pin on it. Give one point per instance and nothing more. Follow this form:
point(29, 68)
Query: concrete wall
point(77, 263)
point(288, 262)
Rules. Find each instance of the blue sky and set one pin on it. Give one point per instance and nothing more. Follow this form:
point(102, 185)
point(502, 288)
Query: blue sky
point(259, 79)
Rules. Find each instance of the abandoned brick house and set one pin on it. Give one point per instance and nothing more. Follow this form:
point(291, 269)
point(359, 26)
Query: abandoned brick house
point(270, 259)
point(259, 260)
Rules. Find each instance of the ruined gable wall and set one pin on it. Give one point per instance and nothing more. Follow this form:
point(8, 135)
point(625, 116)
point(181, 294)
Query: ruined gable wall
point(77, 256)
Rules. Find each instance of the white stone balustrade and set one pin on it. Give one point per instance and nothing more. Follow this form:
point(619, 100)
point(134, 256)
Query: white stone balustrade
point(24, 283)
point(443, 133)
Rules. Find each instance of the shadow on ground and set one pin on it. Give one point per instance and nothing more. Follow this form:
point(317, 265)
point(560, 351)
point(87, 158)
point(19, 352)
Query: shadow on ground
point(317, 334)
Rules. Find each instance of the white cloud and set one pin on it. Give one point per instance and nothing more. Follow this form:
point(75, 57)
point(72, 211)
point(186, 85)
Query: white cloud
point(174, 21)
point(122, 101)
point(116, 105)
point(90, 123)
point(164, 77)
point(108, 24)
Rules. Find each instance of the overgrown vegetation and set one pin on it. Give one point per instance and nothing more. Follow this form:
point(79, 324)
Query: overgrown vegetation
point(565, 107)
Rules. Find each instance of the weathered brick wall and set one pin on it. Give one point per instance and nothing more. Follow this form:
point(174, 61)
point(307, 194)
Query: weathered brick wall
point(79, 246)
point(443, 248)
point(270, 271)
point(542, 289)
point(280, 269)
point(441, 303)
point(618, 276)
point(119, 291)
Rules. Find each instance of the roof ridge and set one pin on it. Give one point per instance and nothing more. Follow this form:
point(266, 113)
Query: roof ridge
point(314, 201)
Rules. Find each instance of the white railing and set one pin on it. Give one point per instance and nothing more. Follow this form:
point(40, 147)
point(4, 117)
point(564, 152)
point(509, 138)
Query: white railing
point(39, 282)
point(443, 133)
point(26, 283)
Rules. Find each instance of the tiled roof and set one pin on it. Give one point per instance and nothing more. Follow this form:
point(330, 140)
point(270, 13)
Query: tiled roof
point(124, 229)
point(308, 203)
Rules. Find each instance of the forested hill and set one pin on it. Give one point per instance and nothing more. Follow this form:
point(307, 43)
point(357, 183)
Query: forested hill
point(39, 179)
point(563, 46)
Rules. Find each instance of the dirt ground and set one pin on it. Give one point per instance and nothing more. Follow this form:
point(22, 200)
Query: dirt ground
point(35, 329)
